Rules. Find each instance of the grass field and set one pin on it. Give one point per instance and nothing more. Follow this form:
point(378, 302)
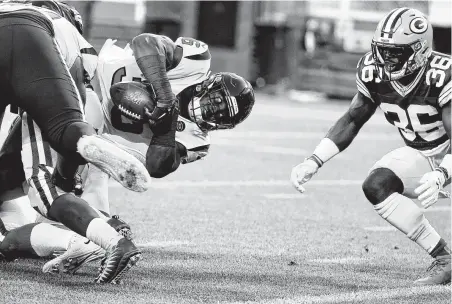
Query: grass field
point(231, 229)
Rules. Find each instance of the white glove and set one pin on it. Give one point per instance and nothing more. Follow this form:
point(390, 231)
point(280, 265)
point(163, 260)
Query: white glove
point(432, 183)
point(302, 173)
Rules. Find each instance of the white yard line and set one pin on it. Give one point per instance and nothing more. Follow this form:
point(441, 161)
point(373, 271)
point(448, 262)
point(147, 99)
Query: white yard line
point(346, 260)
point(295, 195)
point(235, 134)
point(380, 228)
point(160, 244)
point(244, 183)
point(359, 296)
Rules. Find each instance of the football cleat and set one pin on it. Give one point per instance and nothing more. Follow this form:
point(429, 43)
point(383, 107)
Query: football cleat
point(114, 161)
point(439, 272)
point(118, 262)
point(79, 252)
point(121, 227)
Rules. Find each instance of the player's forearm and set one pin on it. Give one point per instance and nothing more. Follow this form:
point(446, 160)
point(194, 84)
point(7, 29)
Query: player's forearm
point(161, 160)
point(344, 131)
point(338, 138)
point(153, 56)
point(162, 156)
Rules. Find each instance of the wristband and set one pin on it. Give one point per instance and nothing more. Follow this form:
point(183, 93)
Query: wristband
point(443, 171)
point(446, 165)
point(325, 150)
point(316, 159)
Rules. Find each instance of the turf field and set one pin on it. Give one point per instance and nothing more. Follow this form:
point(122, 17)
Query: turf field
point(231, 229)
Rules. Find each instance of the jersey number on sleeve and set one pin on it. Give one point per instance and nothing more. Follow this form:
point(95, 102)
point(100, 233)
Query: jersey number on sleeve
point(367, 72)
point(423, 119)
point(439, 65)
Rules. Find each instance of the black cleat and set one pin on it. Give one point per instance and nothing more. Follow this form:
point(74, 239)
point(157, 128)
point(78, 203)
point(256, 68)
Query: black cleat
point(121, 227)
point(118, 262)
point(439, 272)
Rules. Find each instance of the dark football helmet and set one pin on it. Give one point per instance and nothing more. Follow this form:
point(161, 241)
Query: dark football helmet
point(64, 10)
point(221, 102)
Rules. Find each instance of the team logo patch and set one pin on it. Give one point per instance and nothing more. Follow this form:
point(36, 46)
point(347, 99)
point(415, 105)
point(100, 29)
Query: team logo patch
point(418, 25)
point(180, 126)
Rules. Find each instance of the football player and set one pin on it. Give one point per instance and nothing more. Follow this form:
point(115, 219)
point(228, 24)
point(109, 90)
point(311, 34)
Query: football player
point(411, 84)
point(62, 124)
point(205, 103)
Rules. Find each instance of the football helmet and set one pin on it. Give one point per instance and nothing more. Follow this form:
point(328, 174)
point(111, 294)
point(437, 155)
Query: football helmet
point(64, 10)
point(221, 102)
point(402, 43)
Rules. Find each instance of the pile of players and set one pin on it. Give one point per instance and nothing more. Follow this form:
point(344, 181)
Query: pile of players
point(69, 137)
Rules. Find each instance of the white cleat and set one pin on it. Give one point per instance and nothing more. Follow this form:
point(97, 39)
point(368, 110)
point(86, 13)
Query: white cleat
point(80, 252)
point(114, 161)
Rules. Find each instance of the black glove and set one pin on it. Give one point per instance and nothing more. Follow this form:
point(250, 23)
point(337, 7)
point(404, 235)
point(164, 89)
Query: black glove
point(166, 123)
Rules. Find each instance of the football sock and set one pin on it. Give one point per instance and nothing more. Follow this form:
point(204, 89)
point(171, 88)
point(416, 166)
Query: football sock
point(102, 234)
point(45, 239)
point(405, 215)
point(440, 249)
point(77, 215)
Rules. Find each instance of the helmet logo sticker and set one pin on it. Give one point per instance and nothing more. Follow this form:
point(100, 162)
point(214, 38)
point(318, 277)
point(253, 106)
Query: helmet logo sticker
point(418, 25)
point(180, 126)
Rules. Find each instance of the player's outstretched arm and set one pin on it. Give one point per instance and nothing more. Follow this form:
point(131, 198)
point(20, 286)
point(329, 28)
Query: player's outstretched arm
point(433, 182)
point(163, 154)
point(338, 138)
point(154, 55)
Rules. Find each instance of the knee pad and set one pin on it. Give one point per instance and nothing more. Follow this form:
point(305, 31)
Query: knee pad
point(380, 184)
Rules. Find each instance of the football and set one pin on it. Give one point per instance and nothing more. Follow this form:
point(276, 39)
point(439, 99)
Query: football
point(131, 97)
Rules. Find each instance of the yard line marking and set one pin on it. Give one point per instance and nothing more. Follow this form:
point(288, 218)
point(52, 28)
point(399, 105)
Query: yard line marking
point(160, 244)
point(244, 183)
point(438, 209)
point(358, 296)
point(284, 195)
point(347, 260)
point(380, 228)
point(234, 134)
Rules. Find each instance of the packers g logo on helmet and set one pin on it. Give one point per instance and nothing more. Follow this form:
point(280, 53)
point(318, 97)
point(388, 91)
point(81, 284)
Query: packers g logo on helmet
point(418, 25)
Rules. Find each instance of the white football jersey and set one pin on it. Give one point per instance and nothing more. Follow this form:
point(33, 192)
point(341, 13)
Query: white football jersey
point(117, 64)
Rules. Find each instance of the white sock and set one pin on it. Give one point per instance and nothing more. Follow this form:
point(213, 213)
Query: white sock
point(402, 213)
point(45, 239)
point(102, 234)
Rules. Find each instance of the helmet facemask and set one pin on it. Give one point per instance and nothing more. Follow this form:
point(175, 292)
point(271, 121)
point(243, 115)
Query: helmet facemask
point(397, 61)
point(213, 107)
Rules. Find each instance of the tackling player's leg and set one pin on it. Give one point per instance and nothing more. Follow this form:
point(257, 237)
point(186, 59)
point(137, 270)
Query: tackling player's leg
point(387, 187)
point(36, 79)
point(70, 210)
point(22, 236)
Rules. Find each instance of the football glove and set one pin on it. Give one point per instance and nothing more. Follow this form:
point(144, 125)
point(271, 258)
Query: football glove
point(431, 185)
point(302, 173)
point(162, 108)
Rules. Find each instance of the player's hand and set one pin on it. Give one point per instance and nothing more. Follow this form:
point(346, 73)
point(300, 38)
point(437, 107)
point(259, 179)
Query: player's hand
point(431, 185)
point(302, 173)
point(160, 112)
